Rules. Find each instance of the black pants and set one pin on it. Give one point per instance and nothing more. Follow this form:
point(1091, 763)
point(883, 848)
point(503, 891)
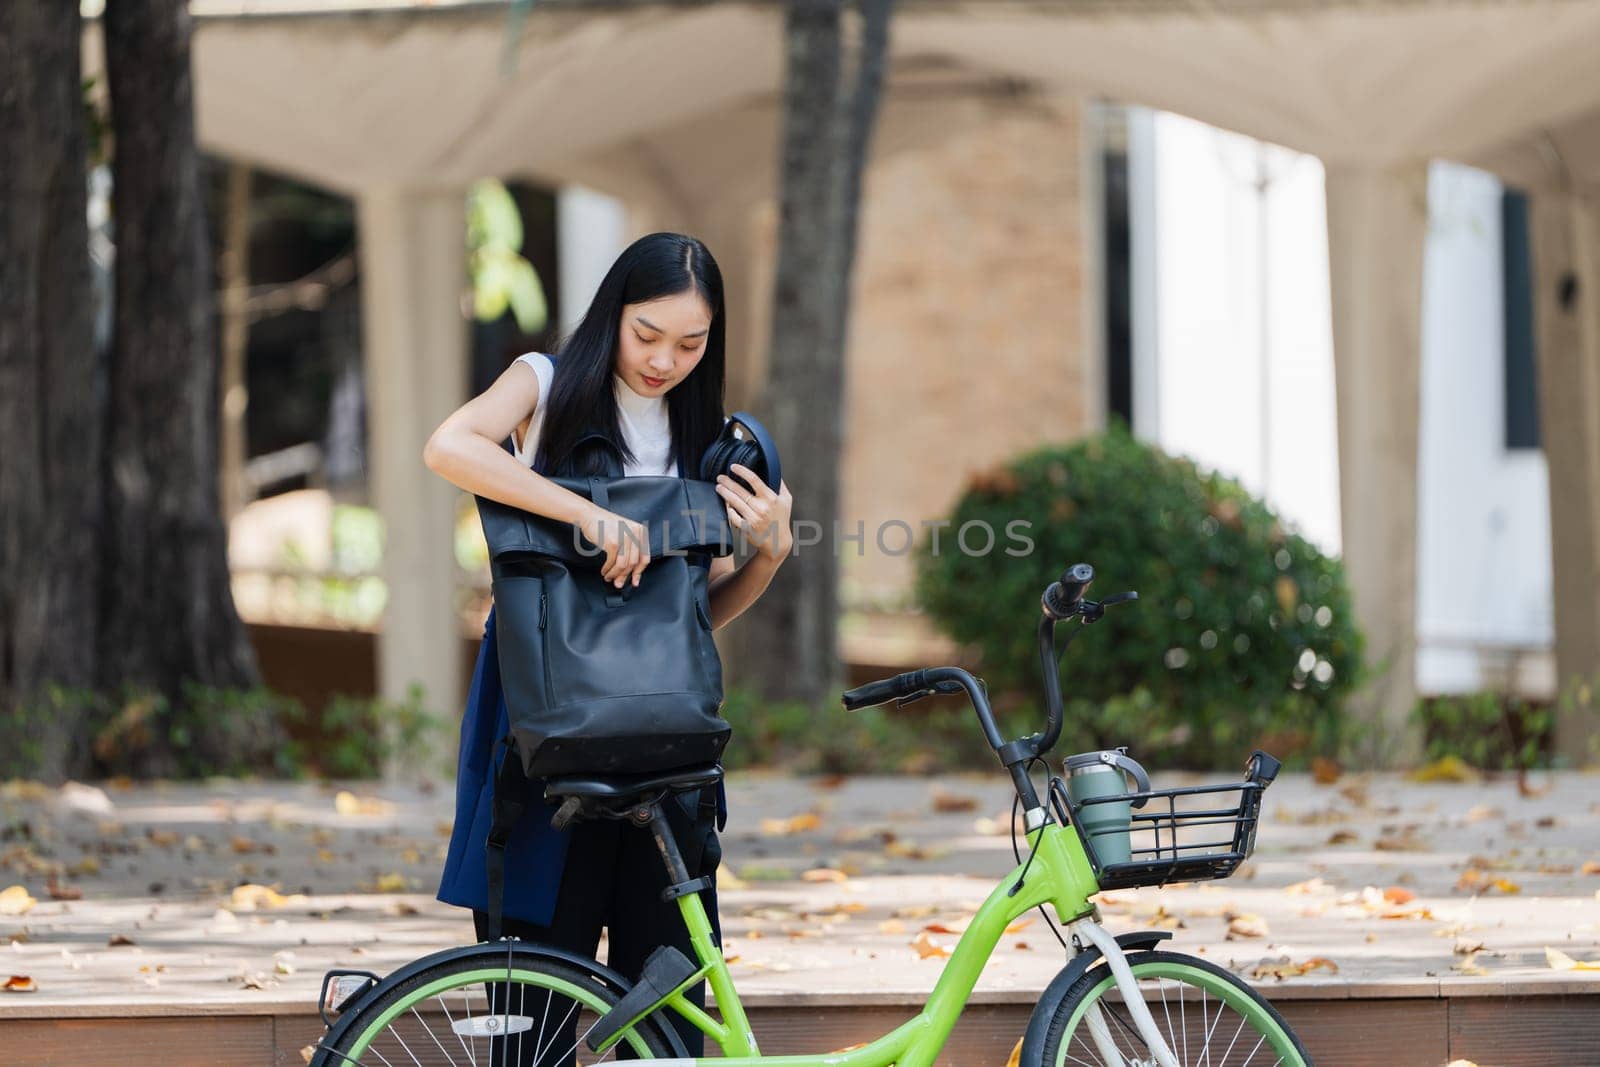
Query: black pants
point(613, 878)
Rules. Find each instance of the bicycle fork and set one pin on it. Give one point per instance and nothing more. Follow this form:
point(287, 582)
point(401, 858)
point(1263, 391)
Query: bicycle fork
point(1087, 929)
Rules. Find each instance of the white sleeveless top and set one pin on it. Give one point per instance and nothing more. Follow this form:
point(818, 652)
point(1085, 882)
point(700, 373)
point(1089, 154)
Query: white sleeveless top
point(643, 419)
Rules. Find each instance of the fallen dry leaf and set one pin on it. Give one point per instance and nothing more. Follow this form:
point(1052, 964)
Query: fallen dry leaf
point(249, 897)
point(57, 891)
point(891, 926)
point(910, 850)
point(1400, 841)
point(1590, 867)
point(950, 803)
point(120, 940)
point(391, 882)
point(823, 874)
point(796, 824)
point(1016, 1054)
point(1396, 895)
point(1560, 961)
point(1470, 966)
point(15, 900)
point(1325, 771)
point(20, 983)
point(1283, 967)
point(1446, 769)
point(1343, 837)
point(927, 947)
point(347, 803)
point(1242, 925)
point(1310, 885)
point(308, 1053)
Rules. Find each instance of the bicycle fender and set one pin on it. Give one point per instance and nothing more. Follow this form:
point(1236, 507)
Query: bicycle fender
point(1045, 1009)
point(490, 952)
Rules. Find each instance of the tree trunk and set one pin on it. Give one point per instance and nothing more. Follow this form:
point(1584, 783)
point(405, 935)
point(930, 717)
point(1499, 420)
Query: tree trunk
point(167, 609)
point(49, 384)
point(832, 88)
point(235, 337)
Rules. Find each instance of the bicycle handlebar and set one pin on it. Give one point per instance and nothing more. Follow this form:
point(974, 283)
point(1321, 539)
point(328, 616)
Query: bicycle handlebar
point(1062, 600)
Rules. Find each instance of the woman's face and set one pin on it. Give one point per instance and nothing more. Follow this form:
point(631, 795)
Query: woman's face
point(661, 342)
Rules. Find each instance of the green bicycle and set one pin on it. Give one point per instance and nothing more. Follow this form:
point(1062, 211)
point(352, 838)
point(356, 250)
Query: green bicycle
point(1118, 1001)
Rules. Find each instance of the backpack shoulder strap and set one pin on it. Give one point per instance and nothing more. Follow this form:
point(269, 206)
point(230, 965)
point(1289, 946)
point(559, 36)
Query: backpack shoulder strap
point(510, 804)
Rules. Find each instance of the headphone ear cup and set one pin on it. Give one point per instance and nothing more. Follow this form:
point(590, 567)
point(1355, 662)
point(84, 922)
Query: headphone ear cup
point(717, 458)
point(755, 451)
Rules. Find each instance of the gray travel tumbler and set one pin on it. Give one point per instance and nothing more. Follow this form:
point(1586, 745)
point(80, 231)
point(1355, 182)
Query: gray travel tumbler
point(1105, 825)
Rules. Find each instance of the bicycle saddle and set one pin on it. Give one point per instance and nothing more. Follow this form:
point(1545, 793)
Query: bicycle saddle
point(628, 786)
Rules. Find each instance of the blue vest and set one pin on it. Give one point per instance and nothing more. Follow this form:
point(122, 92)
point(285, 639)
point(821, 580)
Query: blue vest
point(535, 853)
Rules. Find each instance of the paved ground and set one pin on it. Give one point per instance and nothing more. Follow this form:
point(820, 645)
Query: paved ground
point(243, 893)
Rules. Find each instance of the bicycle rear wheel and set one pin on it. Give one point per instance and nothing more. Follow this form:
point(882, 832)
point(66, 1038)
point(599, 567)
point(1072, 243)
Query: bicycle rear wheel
point(1206, 1015)
point(502, 1009)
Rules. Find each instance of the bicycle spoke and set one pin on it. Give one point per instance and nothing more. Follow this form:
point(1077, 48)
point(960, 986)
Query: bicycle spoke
point(432, 1036)
point(466, 1003)
point(1236, 1032)
point(539, 1058)
point(407, 1047)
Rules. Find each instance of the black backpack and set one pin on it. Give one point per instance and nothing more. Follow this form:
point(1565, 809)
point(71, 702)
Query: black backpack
point(597, 679)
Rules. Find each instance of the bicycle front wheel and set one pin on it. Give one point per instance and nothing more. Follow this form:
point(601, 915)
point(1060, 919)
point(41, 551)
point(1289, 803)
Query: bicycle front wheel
point(1205, 1014)
point(515, 1009)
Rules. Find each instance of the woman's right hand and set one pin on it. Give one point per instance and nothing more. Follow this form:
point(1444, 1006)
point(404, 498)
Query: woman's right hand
point(626, 544)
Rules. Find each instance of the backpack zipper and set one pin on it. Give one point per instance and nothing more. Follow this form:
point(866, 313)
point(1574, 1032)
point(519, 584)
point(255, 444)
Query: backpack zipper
point(544, 648)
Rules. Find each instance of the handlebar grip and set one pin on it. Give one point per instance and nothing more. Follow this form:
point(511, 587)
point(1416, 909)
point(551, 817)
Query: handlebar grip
point(1063, 595)
point(884, 690)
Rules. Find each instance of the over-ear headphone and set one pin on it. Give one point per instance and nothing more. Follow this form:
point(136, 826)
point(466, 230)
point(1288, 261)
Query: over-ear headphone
point(743, 440)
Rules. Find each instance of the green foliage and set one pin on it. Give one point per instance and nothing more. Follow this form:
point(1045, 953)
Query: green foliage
point(211, 731)
point(208, 731)
point(355, 737)
point(1488, 730)
point(1243, 633)
point(501, 278)
point(804, 739)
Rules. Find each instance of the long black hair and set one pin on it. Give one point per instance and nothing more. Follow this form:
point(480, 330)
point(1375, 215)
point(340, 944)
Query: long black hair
point(582, 398)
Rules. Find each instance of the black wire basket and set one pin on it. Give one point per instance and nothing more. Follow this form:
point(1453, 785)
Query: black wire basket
point(1192, 834)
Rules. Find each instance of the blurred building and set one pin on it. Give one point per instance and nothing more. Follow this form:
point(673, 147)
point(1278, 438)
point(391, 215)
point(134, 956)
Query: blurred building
point(1325, 320)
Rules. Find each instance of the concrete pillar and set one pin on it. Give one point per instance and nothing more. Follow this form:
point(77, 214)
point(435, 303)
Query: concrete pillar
point(414, 337)
point(1566, 278)
point(1377, 221)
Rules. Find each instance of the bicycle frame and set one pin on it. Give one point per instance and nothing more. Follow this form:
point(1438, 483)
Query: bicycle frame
point(1058, 874)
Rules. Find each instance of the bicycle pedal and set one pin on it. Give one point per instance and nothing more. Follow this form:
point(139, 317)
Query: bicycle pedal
point(665, 970)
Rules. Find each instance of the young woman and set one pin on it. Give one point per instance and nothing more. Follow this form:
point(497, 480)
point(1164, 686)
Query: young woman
point(645, 365)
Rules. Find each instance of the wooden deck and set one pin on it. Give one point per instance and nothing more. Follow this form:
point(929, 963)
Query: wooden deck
point(1532, 1023)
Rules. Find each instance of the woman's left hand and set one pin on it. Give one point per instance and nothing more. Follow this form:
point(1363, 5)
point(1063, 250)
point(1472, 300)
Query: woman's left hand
point(762, 514)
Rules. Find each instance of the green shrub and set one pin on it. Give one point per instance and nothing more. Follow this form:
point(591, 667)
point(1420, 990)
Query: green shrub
point(1488, 730)
point(140, 733)
point(355, 737)
point(1243, 633)
point(825, 739)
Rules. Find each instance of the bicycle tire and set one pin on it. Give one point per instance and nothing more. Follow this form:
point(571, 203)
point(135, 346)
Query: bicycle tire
point(388, 1027)
point(1069, 1043)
